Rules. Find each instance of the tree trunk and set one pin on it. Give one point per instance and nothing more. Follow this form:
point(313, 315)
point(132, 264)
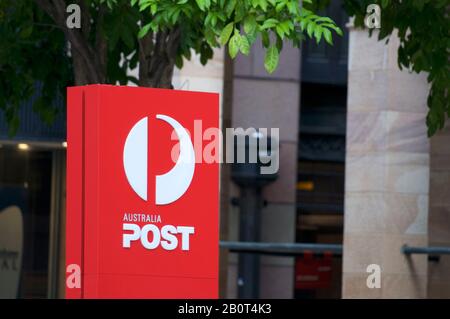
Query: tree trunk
point(157, 52)
point(157, 58)
point(89, 62)
point(82, 72)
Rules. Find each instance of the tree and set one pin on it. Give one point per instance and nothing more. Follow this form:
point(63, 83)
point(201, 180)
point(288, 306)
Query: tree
point(40, 50)
point(423, 28)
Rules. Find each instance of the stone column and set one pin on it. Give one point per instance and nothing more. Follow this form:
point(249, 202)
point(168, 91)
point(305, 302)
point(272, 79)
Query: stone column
point(439, 214)
point(197, 77)
point(270, 101)
point(387, 172)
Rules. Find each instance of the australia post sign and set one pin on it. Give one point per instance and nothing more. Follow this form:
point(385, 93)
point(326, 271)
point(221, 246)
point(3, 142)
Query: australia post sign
point(142, 202)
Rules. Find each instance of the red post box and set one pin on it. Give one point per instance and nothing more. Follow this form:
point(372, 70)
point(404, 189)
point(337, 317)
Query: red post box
point(142, 203)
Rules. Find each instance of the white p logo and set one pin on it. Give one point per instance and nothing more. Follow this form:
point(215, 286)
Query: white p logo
point(169, 186)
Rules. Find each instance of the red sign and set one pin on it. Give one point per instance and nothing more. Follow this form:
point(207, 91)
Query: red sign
point(313, 272)
point(142, 205)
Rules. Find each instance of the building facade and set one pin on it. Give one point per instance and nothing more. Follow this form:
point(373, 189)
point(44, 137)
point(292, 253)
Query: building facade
point(356, 169)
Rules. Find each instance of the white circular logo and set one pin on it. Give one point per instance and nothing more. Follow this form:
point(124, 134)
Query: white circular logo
point(169, 186)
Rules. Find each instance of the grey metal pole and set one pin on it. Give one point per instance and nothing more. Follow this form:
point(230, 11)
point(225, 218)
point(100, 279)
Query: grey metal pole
point(249, 231)
point(432, 250)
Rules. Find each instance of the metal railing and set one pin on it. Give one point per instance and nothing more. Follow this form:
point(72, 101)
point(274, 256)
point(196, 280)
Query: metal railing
point(296, 249)
point(431, 250)
point(280, 249)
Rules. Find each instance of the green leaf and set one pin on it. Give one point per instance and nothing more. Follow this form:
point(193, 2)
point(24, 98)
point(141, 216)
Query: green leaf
point(229, 8)
point(318, 34)
point(201, 4)
point(327, 36)
point(310, 29)
point(251, 38)
point(265, 39)
point(269, 23)
point(280, 31)
point(153, 8)
point(144, 30)
point(271, 59)
point(226, 33)
point(279, 44)
point(280, 6)
point(244, 46)
point(250, 24)
point(234, 45)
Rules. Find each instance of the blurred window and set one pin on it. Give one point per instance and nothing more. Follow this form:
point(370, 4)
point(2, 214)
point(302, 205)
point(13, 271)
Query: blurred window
point(25, 204)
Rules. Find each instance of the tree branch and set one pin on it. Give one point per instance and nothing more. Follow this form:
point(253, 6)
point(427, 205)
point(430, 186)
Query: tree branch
point(85, 19)
point(145, 53)
point(47, 25)
point(162, 63)
point(47, 7)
